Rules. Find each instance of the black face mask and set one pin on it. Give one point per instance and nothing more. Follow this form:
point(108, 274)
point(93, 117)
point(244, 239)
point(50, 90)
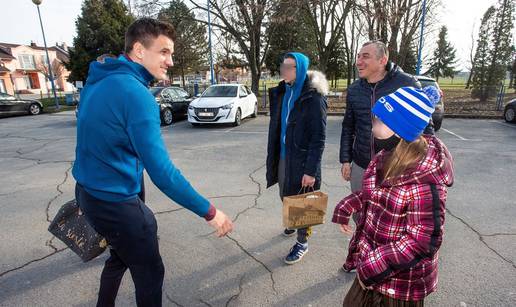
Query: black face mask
point(387, 144)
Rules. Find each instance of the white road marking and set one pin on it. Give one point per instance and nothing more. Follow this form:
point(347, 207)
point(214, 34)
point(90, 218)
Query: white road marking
point(455, 134)
point(504, 124)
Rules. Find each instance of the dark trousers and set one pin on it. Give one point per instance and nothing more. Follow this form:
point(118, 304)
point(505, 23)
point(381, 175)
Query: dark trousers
point(358, 297)
point(131, 230)
point(302, 233)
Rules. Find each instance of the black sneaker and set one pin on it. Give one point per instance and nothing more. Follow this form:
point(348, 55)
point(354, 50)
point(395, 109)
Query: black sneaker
point(347, 271)
point(289, 232)
point(297, 253)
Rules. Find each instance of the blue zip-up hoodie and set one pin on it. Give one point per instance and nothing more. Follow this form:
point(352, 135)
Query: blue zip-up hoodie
point(292, 93)
point(118, 135)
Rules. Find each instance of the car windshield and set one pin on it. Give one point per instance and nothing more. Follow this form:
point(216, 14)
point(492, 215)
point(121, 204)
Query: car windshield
point(6, 97)
point(221, 91)
point(155, 90)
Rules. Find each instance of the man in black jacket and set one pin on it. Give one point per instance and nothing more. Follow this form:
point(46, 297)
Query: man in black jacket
point(378, 77)
point(297, 132)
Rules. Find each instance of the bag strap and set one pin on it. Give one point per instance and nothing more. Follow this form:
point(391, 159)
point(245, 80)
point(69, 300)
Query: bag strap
point(304, 189)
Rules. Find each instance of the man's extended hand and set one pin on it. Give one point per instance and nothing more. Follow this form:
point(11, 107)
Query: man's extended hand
point(346, 171)
point(222, 224)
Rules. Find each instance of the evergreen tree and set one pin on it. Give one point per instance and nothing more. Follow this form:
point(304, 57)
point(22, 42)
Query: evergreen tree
point(482, 55)
point(444, 58)
point(494, 49)
point(502, 47)
point(410, 62)
point(100, 29)
point(289, 33)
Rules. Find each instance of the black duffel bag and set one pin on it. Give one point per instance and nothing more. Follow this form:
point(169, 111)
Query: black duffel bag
point(70, 226)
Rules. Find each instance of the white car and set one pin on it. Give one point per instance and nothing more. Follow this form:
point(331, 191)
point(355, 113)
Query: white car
point(223, 104)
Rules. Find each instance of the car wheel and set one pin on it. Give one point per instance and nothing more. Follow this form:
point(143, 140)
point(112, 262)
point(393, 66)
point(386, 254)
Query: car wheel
point(255, 113)
point(34, 109)
point(238, 118)
point(167, 117)
point(510, 115)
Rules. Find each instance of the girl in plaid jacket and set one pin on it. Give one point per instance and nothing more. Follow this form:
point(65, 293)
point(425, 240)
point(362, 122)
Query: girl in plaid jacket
point(394, 248)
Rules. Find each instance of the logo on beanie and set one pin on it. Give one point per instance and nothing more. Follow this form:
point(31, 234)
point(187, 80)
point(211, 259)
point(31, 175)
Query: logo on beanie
point(386, 104)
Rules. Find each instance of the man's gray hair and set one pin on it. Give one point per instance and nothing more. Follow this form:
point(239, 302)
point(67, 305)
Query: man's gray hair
point(381, 48)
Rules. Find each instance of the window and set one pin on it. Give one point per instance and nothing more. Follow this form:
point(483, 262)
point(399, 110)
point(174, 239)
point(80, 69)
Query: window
point(182, 93)
point(243, 92)
point(170, 93)
point(43, 59)
point(4, 96)
point(26, 61)
point(2, 87)
point(221, 91)
point(29, 82)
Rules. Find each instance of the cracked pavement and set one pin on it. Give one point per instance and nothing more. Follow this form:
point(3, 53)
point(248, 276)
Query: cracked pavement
point(477, 259)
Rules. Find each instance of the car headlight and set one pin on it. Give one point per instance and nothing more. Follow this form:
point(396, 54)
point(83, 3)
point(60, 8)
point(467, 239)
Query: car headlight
point(190, 108)
point(228, 106)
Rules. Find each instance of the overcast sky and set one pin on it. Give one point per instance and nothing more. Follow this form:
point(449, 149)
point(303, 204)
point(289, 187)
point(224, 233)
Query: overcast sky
point(20, 24)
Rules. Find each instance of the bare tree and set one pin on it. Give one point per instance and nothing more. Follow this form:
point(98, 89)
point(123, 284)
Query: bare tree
point(58, 70)
point(227, 54)
point(247, 21)
point(397, 23)
point(354, 30)
point(145, 8)
point(327, 18)
point(471, 58)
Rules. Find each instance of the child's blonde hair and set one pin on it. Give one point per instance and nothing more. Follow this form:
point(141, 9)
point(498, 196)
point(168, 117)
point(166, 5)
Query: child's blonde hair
point(404, 156)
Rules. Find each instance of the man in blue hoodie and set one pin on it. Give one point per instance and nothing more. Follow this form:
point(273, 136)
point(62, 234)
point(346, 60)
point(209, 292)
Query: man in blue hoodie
point(118, 136)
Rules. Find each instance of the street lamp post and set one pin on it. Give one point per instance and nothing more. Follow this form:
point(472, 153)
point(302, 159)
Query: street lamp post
point(209, 42)
point(418, 68)
point(50, 73)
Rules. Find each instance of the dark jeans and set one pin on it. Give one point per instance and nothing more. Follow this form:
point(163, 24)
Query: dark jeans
point(302, 233)
point(131, 230)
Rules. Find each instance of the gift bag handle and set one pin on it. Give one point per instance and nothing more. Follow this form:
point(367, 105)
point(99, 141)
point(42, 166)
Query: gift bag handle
point(305, 189)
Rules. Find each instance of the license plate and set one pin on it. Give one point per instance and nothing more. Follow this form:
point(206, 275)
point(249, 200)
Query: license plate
point(206, 114)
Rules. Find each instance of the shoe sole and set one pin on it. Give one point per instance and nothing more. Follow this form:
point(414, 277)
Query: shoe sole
point(296, 261)
point(342, 269)
point(289, 235)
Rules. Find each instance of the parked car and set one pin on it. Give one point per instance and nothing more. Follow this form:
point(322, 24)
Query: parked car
point(223, 103)
point(437, 117)
point(173, 101)
point(509, 113)
point(10, 105)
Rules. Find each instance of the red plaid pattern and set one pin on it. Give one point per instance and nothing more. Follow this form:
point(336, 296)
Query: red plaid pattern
point(394, 247)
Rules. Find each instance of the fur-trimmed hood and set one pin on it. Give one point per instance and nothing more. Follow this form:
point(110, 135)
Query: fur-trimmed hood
point(318, 82)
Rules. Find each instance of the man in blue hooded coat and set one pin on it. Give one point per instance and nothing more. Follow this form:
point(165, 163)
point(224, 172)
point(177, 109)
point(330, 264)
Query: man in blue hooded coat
point(297, 132)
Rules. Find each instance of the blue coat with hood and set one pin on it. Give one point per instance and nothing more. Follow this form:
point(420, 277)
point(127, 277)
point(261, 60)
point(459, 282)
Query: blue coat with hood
point(300, 140)
point(118, 136)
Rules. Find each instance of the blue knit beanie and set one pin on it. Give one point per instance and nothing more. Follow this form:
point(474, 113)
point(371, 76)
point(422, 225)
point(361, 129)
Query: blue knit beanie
point(407, 111)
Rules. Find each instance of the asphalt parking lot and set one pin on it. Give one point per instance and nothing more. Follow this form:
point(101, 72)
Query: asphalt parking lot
point(477, 258)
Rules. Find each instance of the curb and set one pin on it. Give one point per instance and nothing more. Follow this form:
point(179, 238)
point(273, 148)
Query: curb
point(465, 116)
point(473, 116)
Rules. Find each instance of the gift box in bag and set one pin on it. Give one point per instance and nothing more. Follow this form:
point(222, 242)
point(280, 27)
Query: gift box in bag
point(304, 210)
point(70, 226)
